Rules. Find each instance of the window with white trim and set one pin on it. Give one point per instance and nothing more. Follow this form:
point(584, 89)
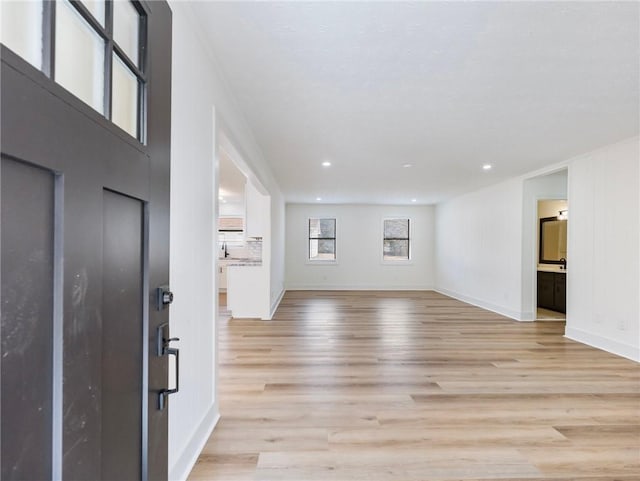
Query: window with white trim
point(322, 239)
point(396, 242)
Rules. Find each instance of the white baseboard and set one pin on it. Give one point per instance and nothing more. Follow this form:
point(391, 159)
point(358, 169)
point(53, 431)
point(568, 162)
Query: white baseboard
point(275, 305)
point(187, 460)
point(516, 315)
point(595, 340)
point(527, 316)
point(360, 287)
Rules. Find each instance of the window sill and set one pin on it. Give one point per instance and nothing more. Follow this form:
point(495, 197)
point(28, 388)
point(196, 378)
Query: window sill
point(408, 262)
point(321, 263)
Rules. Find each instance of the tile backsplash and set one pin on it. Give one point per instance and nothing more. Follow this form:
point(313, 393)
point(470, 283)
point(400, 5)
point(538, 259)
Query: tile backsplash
point(238, 247)
point(254, 249)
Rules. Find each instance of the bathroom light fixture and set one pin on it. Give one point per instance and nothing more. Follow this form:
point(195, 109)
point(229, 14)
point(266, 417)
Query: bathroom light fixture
point(414, 200)
point(407, 165)
point(562, 214)
point(326, 163)
point(318, 198)
point(487, 167)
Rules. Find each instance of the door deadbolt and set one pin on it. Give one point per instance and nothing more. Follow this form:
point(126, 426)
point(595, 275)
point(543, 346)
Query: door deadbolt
point(167, 297)
point(164, 297)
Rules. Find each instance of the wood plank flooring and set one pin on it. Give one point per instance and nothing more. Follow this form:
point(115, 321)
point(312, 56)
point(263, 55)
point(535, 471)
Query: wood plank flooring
point(407, 386)
point(543, 314)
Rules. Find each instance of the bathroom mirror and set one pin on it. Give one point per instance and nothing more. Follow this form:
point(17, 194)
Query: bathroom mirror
point(553, 240)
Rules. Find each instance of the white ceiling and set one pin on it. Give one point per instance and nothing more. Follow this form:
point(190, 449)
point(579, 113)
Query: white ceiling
point(446, 86)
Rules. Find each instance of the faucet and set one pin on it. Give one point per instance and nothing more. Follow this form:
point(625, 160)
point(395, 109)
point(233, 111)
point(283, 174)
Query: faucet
point(226, 252)
point(564, 263)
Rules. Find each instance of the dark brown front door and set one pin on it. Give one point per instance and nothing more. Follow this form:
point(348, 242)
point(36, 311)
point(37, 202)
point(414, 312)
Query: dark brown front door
point(84, 245)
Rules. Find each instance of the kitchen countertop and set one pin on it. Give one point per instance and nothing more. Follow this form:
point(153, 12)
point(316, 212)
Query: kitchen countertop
point(235, 262)
point(244, 263)
point(552, 269)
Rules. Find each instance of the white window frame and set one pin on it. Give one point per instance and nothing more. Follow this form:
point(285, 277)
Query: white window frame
point(320, 262)
point(397, 262)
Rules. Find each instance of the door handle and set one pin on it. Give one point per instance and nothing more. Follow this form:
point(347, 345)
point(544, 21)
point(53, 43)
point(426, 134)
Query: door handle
point(170, 351)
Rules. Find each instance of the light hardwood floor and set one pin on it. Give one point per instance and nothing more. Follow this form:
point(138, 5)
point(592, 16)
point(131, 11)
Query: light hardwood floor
point(404, 386)
point(543, 314)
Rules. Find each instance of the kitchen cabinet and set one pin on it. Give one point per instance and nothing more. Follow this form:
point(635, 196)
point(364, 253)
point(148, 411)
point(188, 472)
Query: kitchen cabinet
point(248, 294)
point(222, 277)
point(552, 290)
point(230, 224)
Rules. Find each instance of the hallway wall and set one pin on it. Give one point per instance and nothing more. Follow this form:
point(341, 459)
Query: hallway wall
point(479, 247)
point(480, 256)
point(603, 284)
point(201, 106)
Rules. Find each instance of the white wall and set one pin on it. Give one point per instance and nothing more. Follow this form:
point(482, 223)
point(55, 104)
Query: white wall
point(277, 284)
point(193, 411)
point(201, 106)
point(479, 247)
point(359, 248)
point(231, 209)
point(485, 247)
point(603, 283)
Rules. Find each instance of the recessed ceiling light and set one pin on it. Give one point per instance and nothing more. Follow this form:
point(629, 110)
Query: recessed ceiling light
point(318, 198)
point(220, 197)
point(407, 165)
point(487, 167)
point(414, 200)
point(326, 163)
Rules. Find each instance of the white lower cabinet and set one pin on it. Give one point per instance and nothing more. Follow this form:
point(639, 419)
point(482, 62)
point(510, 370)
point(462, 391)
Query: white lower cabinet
point(222, 277)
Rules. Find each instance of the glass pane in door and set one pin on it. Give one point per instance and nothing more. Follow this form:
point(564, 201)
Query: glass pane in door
point(79, 60)
point(126, 28)
point(21, 29)
point(96, 8)
point(124, 107)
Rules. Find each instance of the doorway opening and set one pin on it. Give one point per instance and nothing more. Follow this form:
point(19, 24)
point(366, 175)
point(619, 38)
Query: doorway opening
point(242, 246)
point(551, 270)
point(231, 221)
